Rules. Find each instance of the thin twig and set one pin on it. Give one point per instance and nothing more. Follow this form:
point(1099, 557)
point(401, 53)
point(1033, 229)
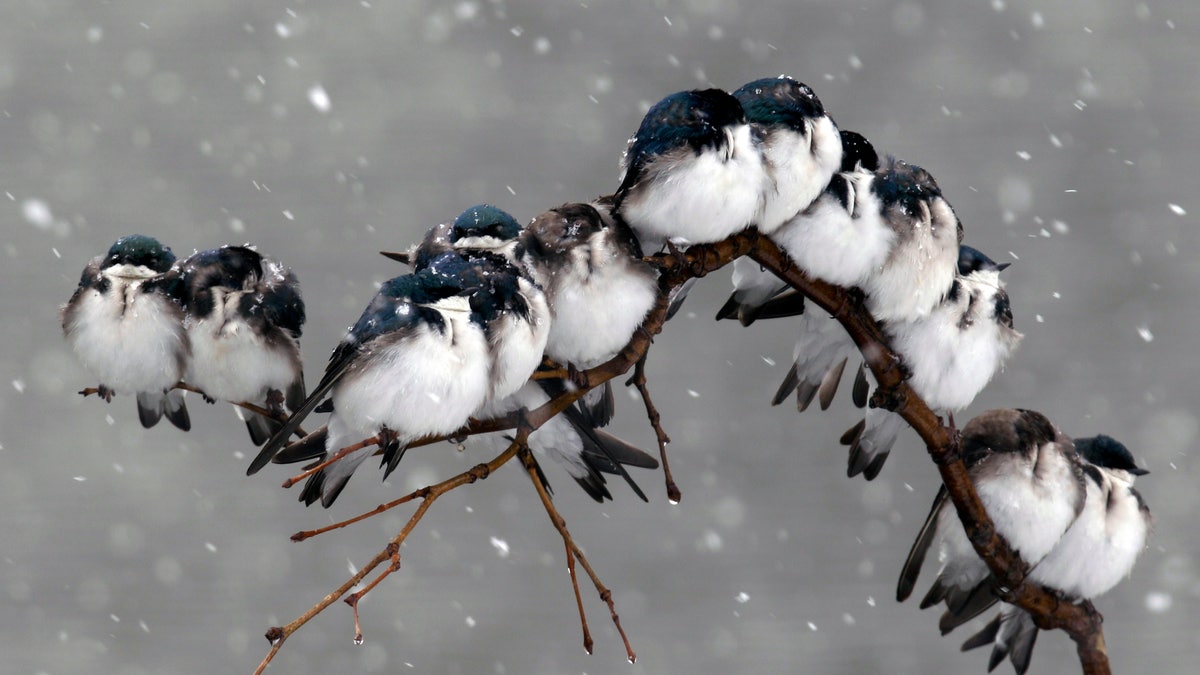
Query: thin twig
point(639, 380)
point(278, 634)
point(556, 518)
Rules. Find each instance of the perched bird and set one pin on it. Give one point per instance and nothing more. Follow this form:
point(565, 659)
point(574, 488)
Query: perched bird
point(126, 329)
point(1095, 554)
point(800, 145)
point(754, 286)
point(417, 362)
point(951, 354)
point(598, 287)
point(692, 171)
point(244, 316)
point(519, 320)
point(887, 231)
point(1031, 482)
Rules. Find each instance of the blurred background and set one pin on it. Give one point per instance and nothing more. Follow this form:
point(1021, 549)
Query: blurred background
point(1064, 135)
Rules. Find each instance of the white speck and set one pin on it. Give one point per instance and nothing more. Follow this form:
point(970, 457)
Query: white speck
point(1061, 227)
point(848, 619)
point(470, 509)
point(1177, 209)
point(282, 30)
point(1170, 23)
point(711, 541)
point(812, 626)
point(908, 487)
point(288, 214)
point(319, 98)
point(693, 393)
point(510, 189)
point(115, 618)
point(1044, 233)
point(144, 626)
point(855, 62)
point(501, 546)
point(470, 622)
point(37, 212)
point(998, 5)
point(1055, 141)
point(517, 31)
point(19, 385)
point(541, 44)
point(1024, 155)
point(212, 548)
point(1056, 295)
point(1144, 333)
point(351, 566)
point(668, 20)
point(95, 34)
point(1080, 105)
point(742, 597)
point(118, 468)
point(1158, 601)
point(1014, 256)
point(769, 361)
point(870, 601)
point(1038, 318)
point(1037, 20)
point(110, 420)
point(80, 479)
point(237, 226)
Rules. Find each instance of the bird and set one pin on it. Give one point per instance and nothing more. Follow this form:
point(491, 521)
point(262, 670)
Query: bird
point(692, 172)
point(1031, 482)
point(886, 230)
point(599, 289)
point(416, 363)
point(244, 315)
point(1094, 555)
point(950, 355)
point(519, 320)
point(800, 145)
point(753, 285)
point(127, 329)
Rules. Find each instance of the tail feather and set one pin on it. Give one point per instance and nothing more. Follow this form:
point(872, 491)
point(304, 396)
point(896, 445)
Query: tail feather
point(150, 406)
point(176, 411)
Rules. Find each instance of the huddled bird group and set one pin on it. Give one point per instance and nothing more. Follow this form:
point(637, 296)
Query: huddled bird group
point(487, 301)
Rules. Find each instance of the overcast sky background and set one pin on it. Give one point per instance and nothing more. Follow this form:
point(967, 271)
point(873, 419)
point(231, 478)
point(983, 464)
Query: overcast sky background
point(1063, 134)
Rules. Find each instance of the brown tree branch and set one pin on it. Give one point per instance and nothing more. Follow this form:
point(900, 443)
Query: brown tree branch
point(1081, 621)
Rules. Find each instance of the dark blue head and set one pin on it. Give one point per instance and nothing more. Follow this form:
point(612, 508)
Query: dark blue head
point(277, 301)
point(485, 220)
point(1109, 453)
point(138, 249)
point(695, 119)
point(857, 152)
point(779, 102)
point(971, 259)
point(898, 182)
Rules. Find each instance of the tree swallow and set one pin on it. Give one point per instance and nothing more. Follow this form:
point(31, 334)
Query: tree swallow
point(951, 354)
point(518, 319)
point(416, 363)
point(692, 171)
point(599, 288)
point(1032, 484)
point(126, 329)
point(244, 316)
point(1095, 554)
point(800, 145)
point(887, 231)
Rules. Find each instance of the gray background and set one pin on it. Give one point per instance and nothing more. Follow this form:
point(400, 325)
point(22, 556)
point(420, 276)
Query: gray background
point(1063, 133)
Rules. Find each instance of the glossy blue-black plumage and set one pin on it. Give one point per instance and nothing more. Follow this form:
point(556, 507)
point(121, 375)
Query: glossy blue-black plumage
point(779, 102)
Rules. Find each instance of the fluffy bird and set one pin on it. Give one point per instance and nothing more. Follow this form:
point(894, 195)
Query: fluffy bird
point(244, 317)
point(692, 172)
point(1030, 480)
point(1095, 554)
point(951, 354)
point(128, 330)
point(599, 288)
point(800, 145)
point(417, 362)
